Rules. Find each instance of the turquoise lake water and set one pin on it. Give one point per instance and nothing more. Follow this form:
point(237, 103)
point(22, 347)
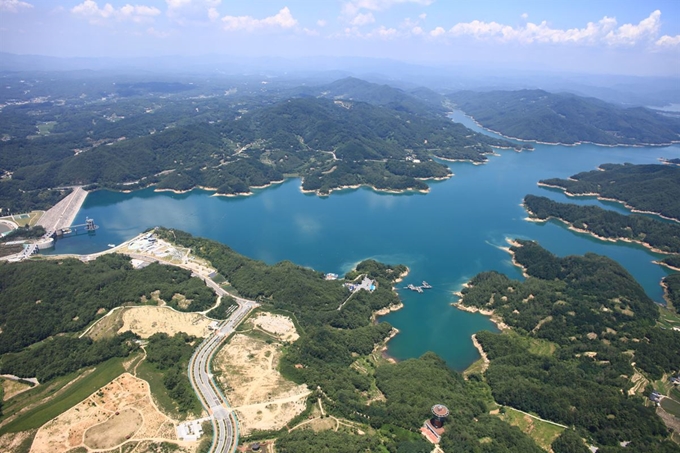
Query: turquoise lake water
point(444, 237)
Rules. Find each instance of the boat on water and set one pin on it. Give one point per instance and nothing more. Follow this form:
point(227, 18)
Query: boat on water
point(426, 285)
point(111, 245)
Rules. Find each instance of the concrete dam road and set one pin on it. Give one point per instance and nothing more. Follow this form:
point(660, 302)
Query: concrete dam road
point(224, 422)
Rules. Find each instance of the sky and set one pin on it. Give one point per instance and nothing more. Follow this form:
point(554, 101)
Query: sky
point(589, 36)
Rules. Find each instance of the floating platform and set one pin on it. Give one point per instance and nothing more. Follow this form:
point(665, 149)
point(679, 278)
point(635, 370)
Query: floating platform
point(419, 289)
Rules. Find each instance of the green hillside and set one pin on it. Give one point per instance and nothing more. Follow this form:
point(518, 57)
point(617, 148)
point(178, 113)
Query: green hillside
point(566, 118)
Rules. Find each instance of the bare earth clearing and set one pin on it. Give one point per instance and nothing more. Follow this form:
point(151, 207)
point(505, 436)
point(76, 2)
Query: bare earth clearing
point(120, 412)
point(12, 388)
point(280, 326)
point(13, 441)
point(148, 320)
point(262, 398)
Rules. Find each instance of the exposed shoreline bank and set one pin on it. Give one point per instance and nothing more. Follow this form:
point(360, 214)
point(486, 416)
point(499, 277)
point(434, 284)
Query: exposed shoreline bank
point(571, 227)
point(601, 198)
point(666, 295)
point(459, 304)
point(384, 311)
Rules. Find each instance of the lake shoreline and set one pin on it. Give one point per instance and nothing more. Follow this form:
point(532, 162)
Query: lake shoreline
point(601, 198)
point(571, 227)
point(383, 347)
point(577, 143)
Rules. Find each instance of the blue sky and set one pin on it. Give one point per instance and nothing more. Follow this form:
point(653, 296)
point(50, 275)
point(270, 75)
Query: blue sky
point(619, 37)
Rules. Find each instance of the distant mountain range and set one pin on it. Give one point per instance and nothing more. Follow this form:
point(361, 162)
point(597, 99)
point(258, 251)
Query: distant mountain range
point(566, 118)
point(419, 101)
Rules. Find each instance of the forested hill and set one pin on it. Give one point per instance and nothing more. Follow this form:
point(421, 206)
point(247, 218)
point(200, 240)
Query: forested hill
point(603, 223)
point(332, 354)
point(330, 144)
point(651, 188)
point(581, 328)
point(421, 101)
point(566, 118)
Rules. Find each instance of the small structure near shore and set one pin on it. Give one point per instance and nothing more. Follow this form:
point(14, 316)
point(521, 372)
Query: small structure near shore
point(366, 284)
point(434, 428)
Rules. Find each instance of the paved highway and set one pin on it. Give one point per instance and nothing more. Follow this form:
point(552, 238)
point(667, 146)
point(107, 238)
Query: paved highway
point(224, 422)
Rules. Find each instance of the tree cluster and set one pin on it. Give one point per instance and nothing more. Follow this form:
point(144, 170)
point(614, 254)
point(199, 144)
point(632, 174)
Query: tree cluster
point(565, 118)
point(594, 314)
point(608, 224)
point(653, 188)
point(39, 299)
point(171, 355)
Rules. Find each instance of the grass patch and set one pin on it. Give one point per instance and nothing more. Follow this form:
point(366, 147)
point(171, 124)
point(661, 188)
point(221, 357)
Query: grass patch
point(668, 318)
point(107, 326)
point(26, 219)
point(46, 127)
point(160, 396)
point(74, 394)
point(675, 394)
point(535, 346)
point(476, 367)
point(671, 406)
point(219, 279)
point(662, 385)
point(542, 432)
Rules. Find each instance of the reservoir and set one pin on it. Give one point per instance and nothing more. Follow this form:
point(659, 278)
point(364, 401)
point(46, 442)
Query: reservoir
point(445, 237)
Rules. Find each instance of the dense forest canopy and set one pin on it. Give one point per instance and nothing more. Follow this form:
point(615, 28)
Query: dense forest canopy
point(608, 224)
point(652, 188)
point(595, 315)
point(39, 299)
point(347, 133)
point(566, 118)
point(332, 341)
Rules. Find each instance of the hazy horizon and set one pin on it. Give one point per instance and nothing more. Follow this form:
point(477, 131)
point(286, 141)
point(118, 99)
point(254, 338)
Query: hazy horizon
point(624, 37)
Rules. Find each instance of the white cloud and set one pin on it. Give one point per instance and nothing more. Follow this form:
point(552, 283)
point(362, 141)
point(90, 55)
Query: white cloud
point(14, 6)
point(174, 4)
point(135, 13)
point(283, 19)
point(417, 31)
point(192, 11)
point(423, 16)
point(604, 31)
point(157, 33)
point(668, 41)
point(437, 32)
point(177, 4)
point(352, 7)
point(362, 19)
point(631, 34)
point(321, 23)
point(384, 32)
point(213, 14)
point(524, 16)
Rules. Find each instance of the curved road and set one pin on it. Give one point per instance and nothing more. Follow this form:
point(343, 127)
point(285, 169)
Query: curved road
point(224, 422)
point(225, 425)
